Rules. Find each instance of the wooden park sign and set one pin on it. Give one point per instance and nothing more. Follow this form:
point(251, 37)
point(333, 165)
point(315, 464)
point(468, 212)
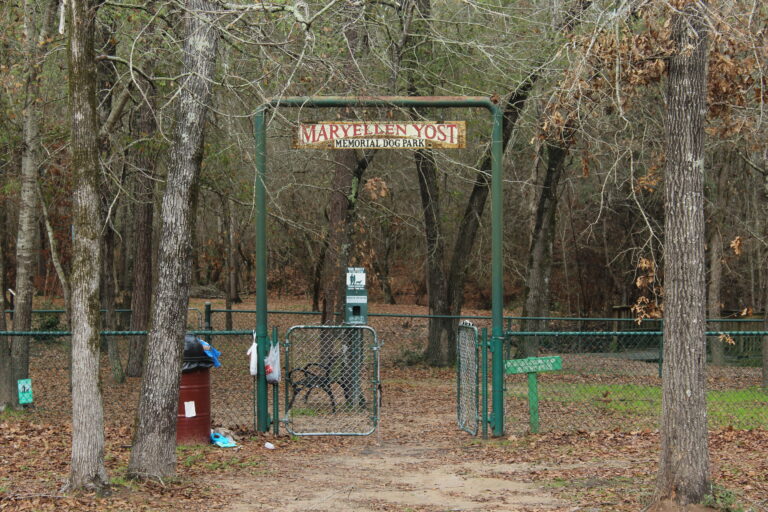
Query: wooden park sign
point(381, 135)
point(532, 366)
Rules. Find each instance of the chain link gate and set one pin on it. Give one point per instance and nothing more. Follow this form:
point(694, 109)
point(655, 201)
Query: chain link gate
point(468, 378)
point(331, 380)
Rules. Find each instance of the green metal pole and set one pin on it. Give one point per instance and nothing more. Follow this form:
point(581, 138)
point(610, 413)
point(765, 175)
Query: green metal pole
point(533, 402)
point(497, 292)
point(497, 295)
point(207, 321)
point(259, 128)
point(275, 391)
point(484, 349)
point(661, 349)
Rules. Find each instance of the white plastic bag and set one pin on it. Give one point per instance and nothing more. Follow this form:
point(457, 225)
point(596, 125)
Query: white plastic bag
point(272, 365)
point(254, 353)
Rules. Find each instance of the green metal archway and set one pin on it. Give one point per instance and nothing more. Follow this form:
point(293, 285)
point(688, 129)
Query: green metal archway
point(497, 335)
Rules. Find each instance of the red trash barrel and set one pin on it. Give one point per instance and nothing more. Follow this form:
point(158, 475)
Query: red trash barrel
point(193, 423)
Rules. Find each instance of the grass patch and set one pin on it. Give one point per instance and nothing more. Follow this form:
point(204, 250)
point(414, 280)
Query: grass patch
point(11, 413)
point(723, 499)
point(739, 408)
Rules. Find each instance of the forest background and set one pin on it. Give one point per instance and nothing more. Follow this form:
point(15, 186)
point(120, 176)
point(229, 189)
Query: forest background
point(581, 85)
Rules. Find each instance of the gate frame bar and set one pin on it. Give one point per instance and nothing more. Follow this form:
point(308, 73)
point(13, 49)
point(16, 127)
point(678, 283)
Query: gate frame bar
point(497, 296)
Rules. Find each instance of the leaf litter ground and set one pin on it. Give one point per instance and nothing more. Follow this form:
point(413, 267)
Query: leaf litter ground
point(416, 461)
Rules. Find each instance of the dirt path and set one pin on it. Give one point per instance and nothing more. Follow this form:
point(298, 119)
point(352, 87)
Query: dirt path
point(417, 461)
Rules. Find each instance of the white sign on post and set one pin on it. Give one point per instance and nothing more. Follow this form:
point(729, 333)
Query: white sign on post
point(356, 278)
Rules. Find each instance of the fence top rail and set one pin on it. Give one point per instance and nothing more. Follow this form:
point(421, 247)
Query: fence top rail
point(507, 333)
point(627, 333)
point(124, 333)
point(460, 317)
point(62, 311)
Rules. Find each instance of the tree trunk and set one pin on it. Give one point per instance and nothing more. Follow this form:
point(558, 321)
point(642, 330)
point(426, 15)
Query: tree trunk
point(716, 348)
point(154, 447)
point(8, 394)
point(55, 257)
point(26, 249)
point(87, 469)
point(106, 76)
point(765, 341)
point(341, 212)
point(233, 267)
point(108, 301)
point(765, 295)
point(345, 187)
point(684, 461)
point(441, 347)
point(232, 293)
point(540, 253)
point(441, 350)
point(143, 156)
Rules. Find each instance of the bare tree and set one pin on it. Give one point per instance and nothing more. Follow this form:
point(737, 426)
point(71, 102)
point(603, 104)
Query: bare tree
point(154, 447)
point(36, 39)
point(349, 167)
point(684, 462)
point(8, 396)
point(143, 158)
point(539, 269)
point(87, 468)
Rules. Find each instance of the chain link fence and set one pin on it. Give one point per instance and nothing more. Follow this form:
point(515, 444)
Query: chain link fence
point(331, 380)
point(610, 377)
point(612, 380)
point(468, 378)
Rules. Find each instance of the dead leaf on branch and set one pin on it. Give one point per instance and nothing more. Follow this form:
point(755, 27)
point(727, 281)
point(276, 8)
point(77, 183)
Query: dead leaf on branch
point(726, 338)
point(736, 246)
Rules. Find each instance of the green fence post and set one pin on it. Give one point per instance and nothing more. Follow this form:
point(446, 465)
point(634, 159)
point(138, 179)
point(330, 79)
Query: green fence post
point(484, 355)
point(661, 348)
point(533, 402)
point(259, 129)
point(275, 390)
point(207, 324)
point(497, 370)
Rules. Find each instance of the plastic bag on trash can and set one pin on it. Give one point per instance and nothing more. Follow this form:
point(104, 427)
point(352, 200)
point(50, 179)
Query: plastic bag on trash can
point(254, 353)
point(272, 364)
point(212, 353)
point(195, 354)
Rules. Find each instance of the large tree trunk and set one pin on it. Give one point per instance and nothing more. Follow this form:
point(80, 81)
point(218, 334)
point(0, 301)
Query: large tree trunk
point(143, 156)
point(684, 461)
point(540, 253)
point(87, 469)
point(154, 447)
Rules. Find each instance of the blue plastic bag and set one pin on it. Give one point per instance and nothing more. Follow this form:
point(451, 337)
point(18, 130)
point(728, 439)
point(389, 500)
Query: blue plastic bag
point(212, 353)
point(222, 441)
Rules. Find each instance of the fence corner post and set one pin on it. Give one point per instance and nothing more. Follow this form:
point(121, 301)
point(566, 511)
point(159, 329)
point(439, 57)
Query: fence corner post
point(497, 348)
point(207, 320)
